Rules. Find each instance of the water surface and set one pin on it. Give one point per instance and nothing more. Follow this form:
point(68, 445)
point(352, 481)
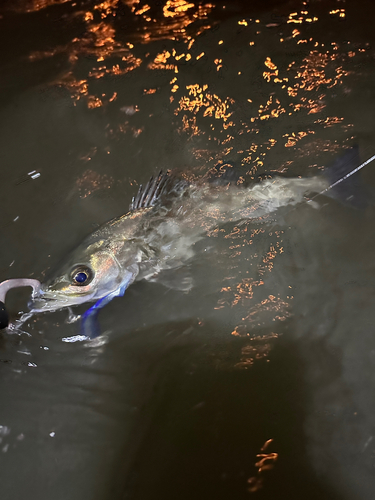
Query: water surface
point(260, 381)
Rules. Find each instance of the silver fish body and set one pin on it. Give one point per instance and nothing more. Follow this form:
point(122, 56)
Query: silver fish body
point(159, 233)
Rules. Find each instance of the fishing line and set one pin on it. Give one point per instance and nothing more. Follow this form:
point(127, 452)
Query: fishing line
point(357, 169)
point(334, 184)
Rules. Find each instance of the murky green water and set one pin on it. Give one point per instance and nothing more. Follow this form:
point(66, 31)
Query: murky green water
point(260, 381)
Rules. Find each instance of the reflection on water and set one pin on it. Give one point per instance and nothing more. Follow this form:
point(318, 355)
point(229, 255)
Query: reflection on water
point(91, 181)
point(211, 104)
point(265, 462)
point(35, 5)
point(125, 88)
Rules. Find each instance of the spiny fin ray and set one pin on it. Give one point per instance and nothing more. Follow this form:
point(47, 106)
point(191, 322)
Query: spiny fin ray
point(148, 195)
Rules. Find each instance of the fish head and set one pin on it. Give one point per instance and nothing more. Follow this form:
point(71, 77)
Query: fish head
point(86, 276)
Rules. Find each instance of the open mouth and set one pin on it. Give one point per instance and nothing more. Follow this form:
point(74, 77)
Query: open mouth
point(41, 304)
point(46, 301)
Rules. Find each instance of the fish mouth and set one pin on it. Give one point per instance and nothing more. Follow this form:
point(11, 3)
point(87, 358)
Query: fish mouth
point(43, 304)
point(45, 301)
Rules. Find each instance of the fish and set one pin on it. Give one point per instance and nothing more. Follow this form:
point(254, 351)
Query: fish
point(166, 218)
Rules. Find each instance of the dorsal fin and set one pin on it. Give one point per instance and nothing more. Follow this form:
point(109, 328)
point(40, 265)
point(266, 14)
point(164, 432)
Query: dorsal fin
point(148, 195)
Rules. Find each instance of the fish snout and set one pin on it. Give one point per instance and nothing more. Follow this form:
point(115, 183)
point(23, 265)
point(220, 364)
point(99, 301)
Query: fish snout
point(45, 301)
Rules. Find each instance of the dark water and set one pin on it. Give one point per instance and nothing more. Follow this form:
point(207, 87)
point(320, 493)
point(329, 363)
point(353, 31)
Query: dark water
point(260, 381)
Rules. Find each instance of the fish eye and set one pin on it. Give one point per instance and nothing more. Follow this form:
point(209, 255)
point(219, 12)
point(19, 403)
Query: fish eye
point(82, 275)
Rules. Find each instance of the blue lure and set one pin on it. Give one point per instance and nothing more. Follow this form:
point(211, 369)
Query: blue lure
point(90, 326)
